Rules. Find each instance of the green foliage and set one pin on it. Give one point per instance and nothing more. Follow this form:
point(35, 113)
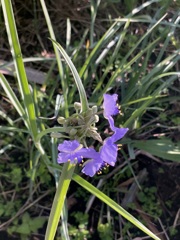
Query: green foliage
point(80, 218)
point(163, 148)
point(149, 202)
point(27, 226)
point(125, 229)
point(16, 175)
point(80, 193)
point(130, 4)
point(105, 231)
point(80, 232)
point(173, 231)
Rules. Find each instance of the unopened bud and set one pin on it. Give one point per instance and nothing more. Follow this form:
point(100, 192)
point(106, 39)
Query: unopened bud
point(61, 120)
point(77, 105)
point(94, 109)
point(57, 135)
point(72, 132)
point(95, 135)
point(96, 117)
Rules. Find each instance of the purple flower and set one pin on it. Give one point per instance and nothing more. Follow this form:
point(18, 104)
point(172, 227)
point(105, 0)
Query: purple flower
point(118, 134)
point(111, 109)
point(74, 152)
point(107, 154)
point(91, 167)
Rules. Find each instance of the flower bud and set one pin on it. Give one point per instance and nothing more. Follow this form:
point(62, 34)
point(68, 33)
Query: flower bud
point(61, 120)
point(77, 105)
point(72, 132)
point(57, 135)
point(94, 109)
point(92, 133)
point(96, 117)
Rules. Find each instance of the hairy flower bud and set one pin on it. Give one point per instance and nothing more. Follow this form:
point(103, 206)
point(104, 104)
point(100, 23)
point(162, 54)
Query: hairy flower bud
point(93, 133)
point(72, 132)
point(61, 120)
point(96, 117)
point(94, 109)
point(77, 105)
point(57, 135)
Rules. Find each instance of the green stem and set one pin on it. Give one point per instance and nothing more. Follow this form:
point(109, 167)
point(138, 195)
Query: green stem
point(59, 199)
point(46, 131)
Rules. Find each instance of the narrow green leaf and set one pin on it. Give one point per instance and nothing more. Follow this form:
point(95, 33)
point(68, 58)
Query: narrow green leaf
point(77, 79)
point(12, 97)
point(19, 65)
point(58, 202)
point(163, 148)
point(89, 187)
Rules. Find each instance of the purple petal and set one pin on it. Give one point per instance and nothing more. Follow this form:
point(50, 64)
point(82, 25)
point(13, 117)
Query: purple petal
point(109, 105)
point(88, 153)
point(118, 134)
point(91, 167)
point(70, 151)
point(68, 146)
point(65, 157)
point(111, 123)
point(108, 152)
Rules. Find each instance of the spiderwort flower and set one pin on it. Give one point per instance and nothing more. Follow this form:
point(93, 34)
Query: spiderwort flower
point(74, 152)
point(106, 156)
point(110, 108)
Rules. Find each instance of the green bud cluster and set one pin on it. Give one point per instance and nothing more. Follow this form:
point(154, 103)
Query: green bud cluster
point(81, 124)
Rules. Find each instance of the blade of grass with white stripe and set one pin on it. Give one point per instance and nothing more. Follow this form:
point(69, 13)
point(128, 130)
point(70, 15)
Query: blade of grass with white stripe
point(124, 66)
point(12, 97)
point(110, 33)
point(58, 57)
point(19, 66)
point(138, 112)
point(96, 192)
point(76, 76)
point(30, 115)
point(134, 90)
point(94, 7)
point(58, 202)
